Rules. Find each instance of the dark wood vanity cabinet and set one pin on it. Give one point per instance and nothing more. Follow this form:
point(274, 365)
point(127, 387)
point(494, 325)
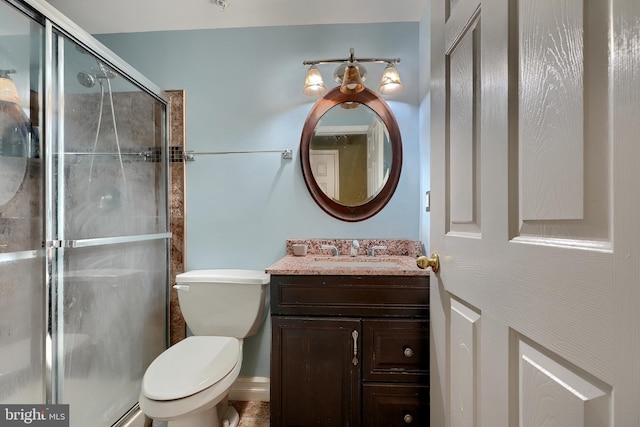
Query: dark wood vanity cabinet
point(349, 350)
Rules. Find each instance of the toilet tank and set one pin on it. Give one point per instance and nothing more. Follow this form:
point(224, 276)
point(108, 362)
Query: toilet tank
point(223, 302)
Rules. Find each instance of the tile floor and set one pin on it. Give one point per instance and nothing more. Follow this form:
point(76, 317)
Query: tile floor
point(252, 414)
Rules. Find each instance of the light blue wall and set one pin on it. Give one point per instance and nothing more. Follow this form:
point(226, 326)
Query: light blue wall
point(425, 123)
point(243, 92)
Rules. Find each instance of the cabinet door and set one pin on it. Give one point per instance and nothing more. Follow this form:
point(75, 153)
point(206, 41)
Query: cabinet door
point(315, 376)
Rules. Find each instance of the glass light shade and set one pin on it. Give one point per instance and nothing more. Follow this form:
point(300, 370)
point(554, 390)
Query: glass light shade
point(351, 83)
point(390, 82)
point(338, 74)
point(313, 83)
point(8, 90)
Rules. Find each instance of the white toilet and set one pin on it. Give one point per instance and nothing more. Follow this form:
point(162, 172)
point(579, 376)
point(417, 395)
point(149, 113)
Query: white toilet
point(187, 385)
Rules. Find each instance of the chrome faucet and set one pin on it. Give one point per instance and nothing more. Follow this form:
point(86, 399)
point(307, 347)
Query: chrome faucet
point(372, 251)
point(334, 250)
point(355, 245)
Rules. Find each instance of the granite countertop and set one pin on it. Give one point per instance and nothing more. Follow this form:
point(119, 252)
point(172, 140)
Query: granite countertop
point(360, 265)
point(399, 259)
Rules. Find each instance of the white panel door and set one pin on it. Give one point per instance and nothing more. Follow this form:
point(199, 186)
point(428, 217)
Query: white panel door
point(535, 213)
point(325, 166)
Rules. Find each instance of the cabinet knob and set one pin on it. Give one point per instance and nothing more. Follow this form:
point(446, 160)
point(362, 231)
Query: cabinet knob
point(408, 419)
point(408, 352)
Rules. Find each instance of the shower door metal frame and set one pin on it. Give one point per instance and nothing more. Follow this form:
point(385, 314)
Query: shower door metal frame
point(55, 23)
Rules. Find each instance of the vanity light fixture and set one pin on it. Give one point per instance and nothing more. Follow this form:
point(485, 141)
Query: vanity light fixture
point(351, 75)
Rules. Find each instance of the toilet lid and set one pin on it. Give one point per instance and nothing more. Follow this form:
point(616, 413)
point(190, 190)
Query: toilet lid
point(190, 366)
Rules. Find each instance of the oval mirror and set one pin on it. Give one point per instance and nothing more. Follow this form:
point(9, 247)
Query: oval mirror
point(351, 154)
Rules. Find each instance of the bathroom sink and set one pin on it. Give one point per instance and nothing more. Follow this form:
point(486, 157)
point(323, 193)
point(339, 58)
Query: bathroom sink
point(356, 262)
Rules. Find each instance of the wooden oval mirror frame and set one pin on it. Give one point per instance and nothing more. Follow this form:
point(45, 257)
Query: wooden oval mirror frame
point(366, 210)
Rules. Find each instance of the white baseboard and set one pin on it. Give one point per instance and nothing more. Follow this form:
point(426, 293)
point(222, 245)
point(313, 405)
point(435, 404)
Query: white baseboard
point(251, 389)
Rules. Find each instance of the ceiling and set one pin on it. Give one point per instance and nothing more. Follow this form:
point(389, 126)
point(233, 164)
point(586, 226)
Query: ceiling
point(125, 16)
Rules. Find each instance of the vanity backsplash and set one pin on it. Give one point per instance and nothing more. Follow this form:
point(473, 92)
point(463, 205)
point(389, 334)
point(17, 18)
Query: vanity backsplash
point(397, 247)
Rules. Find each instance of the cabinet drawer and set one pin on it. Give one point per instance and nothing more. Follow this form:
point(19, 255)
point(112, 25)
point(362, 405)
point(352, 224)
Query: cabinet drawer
point(395, 405)
point(350, 295)
point(395, 350)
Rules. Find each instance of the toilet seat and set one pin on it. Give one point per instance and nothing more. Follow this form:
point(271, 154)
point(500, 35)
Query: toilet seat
point(190, 366)
point(174, 410)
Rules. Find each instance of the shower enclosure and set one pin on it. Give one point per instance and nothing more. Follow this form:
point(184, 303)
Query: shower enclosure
point(84, 241)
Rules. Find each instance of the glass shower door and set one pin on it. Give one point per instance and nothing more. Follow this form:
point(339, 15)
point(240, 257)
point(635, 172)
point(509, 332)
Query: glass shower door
point(84, 241)
point(110, 187)
point(22, 313)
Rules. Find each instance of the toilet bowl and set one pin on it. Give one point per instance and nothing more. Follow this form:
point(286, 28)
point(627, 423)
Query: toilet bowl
point(188, 384)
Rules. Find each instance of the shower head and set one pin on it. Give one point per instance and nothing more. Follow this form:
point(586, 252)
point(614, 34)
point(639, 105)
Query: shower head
point(87, 79)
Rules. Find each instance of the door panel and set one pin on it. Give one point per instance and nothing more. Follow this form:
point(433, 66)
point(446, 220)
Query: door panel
point(23, 375)
point(464, 357)
point(534, 312)
point(463, 58)
point(561, 122)
point(550, 390)
point(551, 109)
point(325, 168)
